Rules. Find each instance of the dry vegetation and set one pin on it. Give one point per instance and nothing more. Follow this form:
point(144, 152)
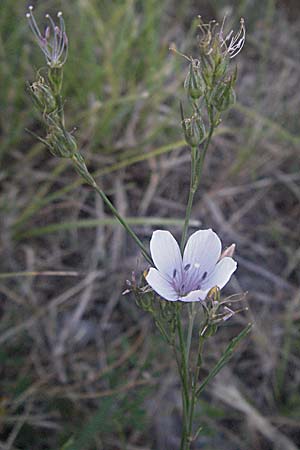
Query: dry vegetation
point(78, 358)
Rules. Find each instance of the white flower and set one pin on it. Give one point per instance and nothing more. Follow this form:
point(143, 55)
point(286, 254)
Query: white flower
point(188, 278)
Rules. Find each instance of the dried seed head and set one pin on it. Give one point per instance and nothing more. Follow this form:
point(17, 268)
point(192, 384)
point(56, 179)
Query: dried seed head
point(233, 44)
point(213, 43)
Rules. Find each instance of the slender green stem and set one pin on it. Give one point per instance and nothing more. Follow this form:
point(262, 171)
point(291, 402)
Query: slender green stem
point(194, 385)
point(197, 161)
point(123, 222)
point(81, 168)
point(192, 313)
point(196, 172)
point(191, 197)
point(56, 78)
point(224, 358)
point(183, 370)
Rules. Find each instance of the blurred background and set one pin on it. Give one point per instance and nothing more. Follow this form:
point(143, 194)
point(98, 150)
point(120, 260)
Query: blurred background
point(78, 359)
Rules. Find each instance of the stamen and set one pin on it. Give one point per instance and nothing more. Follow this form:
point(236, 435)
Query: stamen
point(237, 42)
point(186, 268)
point(47, 33)
point(174, 273)
point(33, 25)
point(63, 40)
point(54, 41)
point(204, 276)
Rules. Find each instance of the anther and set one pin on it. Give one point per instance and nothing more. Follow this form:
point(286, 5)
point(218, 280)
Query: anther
point(186, 268)
point(174, 273)
point(204, 276)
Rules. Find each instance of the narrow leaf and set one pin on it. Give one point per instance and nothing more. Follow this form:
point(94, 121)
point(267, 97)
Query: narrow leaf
point(225, 357)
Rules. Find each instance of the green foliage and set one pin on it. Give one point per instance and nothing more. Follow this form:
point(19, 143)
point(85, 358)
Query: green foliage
point(120, 77)
point(111, 418)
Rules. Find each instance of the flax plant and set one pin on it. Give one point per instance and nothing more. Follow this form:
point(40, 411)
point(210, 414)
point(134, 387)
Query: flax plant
point(183, 279)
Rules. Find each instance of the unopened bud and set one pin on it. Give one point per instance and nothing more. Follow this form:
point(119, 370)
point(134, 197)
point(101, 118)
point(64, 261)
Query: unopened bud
point(228, 252)
point(194, 83)
point(61, 143)
point(223, 96)
point(194, 130)
point(42, 96)
point(220, 62)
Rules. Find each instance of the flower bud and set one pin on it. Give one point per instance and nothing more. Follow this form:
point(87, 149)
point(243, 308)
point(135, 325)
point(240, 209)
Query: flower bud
point(228, 252)
point(194, 130)
point(194, 83)
point(221, 63)
point(223, 96)
point(60, 142)
point(42, 96)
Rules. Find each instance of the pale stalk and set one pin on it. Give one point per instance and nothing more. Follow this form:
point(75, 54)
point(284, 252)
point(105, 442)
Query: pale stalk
point(196, 172)
point(194, 386)
point(90, 180)
point(197, 162)
point(79, 163)
point(192, 314)
point(184, 375)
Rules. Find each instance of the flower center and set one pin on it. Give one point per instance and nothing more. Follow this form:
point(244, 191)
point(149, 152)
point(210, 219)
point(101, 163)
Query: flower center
point(189, 279)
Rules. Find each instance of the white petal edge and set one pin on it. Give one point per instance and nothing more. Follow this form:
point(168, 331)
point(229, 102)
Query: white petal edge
point(194, 296)
point(160, 285)
point(165, 253)
point(201, 254)
point(221, 274)
point(204, 248)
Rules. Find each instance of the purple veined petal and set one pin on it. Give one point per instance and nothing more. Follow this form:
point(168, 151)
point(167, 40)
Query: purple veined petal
point(166, 254)
point(221, 274)
point(202, 251)
point(161, 285)
point(194, 296)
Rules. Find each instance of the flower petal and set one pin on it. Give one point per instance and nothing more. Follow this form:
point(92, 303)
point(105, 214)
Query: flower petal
point(221, 274)
point(161, 285)
point(194, 296)
point(166, 254)
point(202, 251)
